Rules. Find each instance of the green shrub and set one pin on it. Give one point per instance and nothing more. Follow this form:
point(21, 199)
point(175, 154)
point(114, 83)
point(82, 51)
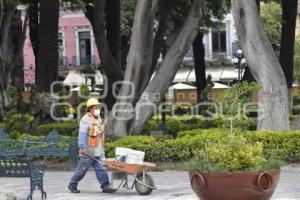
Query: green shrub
point(2, 125)
point(183, 110)
point(167, 150)
point(175, 124)
point(69, 128)
point(151, 125)
point(296, 110)
point(292, 117)
point(284, 144)
point(17, 123)
point(231, 154)
point(296, 99)
point(243, 124)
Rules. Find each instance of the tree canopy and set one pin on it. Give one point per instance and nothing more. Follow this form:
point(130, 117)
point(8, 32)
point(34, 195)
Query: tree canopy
point(271, 16)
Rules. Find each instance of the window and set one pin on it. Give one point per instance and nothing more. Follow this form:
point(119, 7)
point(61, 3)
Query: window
point(219, 40)
point(85, 52)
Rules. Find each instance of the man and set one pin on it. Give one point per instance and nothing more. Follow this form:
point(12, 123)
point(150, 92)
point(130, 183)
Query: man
point(91, 141)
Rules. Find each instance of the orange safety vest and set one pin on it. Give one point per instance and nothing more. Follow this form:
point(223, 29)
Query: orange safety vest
point(93, 131)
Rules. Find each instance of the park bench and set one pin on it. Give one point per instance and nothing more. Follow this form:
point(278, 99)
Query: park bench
point(21, 167)
point(53, 145)
point(16, 156)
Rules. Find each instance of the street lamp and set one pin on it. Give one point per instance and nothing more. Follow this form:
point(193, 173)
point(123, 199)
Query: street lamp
point(239, 60)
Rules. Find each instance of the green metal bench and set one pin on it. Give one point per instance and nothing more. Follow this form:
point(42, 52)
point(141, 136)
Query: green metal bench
point(53, 145)
point(16, 157)
point(20, 167)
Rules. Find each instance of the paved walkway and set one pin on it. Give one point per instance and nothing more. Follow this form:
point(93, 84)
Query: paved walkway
point(171, 185)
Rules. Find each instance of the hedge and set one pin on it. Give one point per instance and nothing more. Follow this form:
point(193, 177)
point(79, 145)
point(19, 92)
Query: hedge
point(175, 124)
point(296, 110)
point(68, 128)
point(296, 99)
point(284, 145)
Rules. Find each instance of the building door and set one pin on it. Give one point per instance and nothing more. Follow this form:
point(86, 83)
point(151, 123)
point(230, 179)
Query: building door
point(85, 53)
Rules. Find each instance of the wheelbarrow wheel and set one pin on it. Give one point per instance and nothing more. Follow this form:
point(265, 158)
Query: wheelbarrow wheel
point(141, 186)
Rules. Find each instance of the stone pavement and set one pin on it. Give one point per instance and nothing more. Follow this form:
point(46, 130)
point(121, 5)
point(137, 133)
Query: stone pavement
point(171, 185)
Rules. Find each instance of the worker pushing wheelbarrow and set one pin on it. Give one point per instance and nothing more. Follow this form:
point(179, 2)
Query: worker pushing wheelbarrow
point(142, 181)
point(91, 140)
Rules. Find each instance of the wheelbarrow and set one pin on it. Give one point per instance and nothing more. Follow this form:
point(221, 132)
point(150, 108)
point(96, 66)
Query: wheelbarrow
point(143, 182)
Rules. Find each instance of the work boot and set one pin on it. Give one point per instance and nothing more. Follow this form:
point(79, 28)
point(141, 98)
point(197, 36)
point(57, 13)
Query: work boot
point(73, 189)
point(108, 189)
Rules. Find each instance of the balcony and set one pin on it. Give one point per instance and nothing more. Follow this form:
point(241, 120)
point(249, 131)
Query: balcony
point(80, 61)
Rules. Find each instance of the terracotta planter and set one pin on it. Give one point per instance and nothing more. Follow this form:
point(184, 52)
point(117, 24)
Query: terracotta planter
point(234, 186)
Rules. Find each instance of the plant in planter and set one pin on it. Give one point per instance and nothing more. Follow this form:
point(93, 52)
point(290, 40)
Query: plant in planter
point(233, 169)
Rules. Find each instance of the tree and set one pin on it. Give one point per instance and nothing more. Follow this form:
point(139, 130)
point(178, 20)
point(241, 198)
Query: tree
point(47, 68)
point(139, 62)
point(286, 57)
point(113, 27)
point(216, 9)
point(18, 34)
point(247, 74)
point(273, 99)
point(10, 46)
point(297, 60)
point(271, 16)
point(94, 11)
point(144, 108)
point(33, 10)
point(199, 61)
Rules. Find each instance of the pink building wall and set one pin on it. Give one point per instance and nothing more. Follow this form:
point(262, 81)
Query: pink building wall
point(69, 25)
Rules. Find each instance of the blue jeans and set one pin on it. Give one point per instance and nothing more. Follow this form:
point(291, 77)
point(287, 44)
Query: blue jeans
point(83, 166)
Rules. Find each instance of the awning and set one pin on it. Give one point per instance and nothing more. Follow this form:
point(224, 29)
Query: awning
point(217, 73)
point(182, 86)
point(76, 78)
point(182, 75)
point(220, 86)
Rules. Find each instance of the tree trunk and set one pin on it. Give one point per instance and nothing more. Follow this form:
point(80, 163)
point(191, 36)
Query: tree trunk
point(33, 10)
point(113, 28)
point(139, 62)
point(273, 100)
point(286, 57)
point(164, 13)
point(125, 45)
point(247, 74)
point(165, 75)
point(95, 14)
point(258, 5)
point(19, 35)
point(199, 61)
point(46, 70)
point(6, 48)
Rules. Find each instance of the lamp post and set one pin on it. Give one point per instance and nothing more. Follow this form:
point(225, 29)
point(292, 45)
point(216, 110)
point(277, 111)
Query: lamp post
point(239, 60)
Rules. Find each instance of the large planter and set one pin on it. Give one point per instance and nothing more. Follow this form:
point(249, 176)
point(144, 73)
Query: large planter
point(234, 186)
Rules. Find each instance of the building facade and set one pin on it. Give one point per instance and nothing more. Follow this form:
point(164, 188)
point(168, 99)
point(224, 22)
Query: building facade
point(76, 46)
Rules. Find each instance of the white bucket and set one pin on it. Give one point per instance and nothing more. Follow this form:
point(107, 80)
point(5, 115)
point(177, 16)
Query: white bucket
point(135, 157)
point(129, 156)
